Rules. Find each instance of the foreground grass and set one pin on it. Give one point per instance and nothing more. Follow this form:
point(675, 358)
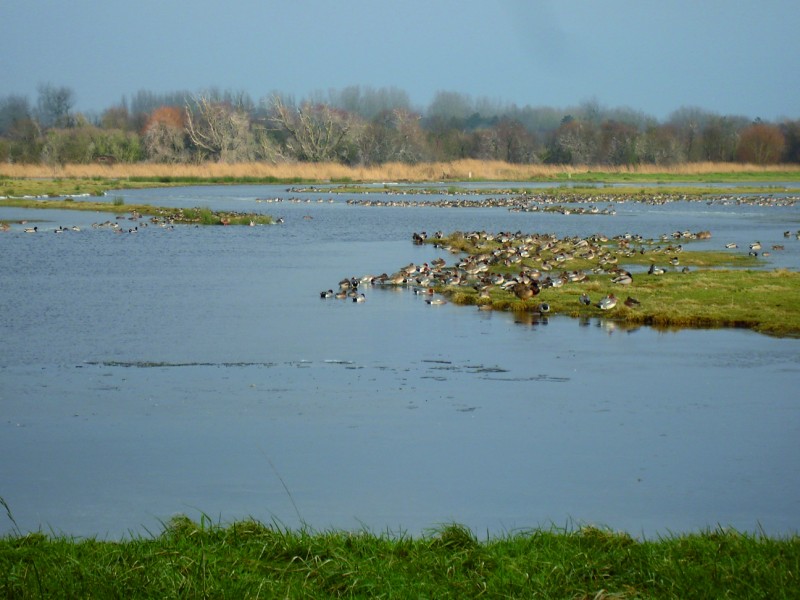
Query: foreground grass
point(196, 216)
point(250, 560)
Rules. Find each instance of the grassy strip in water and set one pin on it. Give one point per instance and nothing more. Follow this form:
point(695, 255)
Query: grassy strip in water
point(574, 193)
point(765, 301)
point(248, 560)
point(704, 295)
point(199, 216)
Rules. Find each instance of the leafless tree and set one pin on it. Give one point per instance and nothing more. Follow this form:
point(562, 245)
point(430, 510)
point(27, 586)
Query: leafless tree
point(219, 131)
point(316, 132)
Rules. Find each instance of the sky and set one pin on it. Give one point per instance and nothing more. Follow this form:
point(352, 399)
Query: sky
point(729, 57)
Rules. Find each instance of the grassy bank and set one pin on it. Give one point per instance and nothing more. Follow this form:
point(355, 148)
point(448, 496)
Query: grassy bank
point(141, 174)
point(533, 274)
point(251, 560)
point(160, 214)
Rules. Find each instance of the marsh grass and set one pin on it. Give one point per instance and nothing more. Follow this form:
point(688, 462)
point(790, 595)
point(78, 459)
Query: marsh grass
point(462, 170)
point(249, 559)
point(196, 216)
point(765, 301)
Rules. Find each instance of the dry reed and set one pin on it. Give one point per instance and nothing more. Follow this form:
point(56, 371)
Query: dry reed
point(461, 170)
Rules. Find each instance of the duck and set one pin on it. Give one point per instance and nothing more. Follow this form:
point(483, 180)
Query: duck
point(624, 278)
point(631, 302)
point(654, 270)
point(31, 229)
point(731, 246)
point(341, 295)
point(544, 307)
point(435, 301)
point(755, 246)
point(360, 298)
point(608, 302)
point(584, 299)
point(326, 294)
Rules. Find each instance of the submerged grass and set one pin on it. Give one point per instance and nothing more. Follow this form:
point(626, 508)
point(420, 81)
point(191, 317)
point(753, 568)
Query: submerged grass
point(249, 559)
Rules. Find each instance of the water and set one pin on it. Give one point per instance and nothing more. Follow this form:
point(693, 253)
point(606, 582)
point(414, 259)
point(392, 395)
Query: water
point(196, 370)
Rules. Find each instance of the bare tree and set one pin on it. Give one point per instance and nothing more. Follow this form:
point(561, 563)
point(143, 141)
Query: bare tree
point(54, 106)
point(219, 131)
point(316, 132)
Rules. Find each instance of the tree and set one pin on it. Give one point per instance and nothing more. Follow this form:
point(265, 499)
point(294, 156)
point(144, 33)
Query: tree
point(165, 137)
point(54, 106)
point(661, 145)
point(575, 142)
point(314, 132)
point(219, 131)
point(618, 142)
point(760, 144)
point(791, 135)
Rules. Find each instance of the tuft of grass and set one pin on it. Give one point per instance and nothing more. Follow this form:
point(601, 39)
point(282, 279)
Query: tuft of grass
point(249, 559)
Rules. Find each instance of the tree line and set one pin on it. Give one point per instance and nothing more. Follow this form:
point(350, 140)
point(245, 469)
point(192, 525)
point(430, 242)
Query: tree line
point(366, 126)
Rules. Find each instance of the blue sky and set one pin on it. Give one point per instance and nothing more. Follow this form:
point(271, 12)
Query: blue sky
point(732, 57)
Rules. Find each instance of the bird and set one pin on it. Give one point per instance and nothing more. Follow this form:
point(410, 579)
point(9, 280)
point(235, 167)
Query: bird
point(584, 299)
point(608, 302)
point(435, 301)
point(631, 302)
point(326, 294)
point(654, 270)
point(360, 298)
point(544, 307)
point(31, 229)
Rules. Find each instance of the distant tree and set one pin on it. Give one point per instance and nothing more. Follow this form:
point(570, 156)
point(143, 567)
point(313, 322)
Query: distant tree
point(661, 145)
point(13, 110)
point(314, 132)
point(718, 138)
point(760, 144)
point(219, 131)
point(165, 135)
point(791, 135)
point(450, 107)
point(116, 117)
point(54, 106)
point(574, 142)
point(367, 103)
point(617, 144)
point(392, 136)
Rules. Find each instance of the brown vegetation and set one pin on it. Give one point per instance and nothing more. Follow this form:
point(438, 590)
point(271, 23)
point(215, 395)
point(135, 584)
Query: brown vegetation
point(461, 170)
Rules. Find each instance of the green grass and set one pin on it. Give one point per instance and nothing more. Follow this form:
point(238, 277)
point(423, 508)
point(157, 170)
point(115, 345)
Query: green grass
point(252, 560)
point(198, 216)
point(721, 288)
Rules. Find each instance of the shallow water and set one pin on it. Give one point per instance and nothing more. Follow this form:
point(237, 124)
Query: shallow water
point(197, 370)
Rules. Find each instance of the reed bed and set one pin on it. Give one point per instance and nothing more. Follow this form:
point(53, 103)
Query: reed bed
point(462, 170)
